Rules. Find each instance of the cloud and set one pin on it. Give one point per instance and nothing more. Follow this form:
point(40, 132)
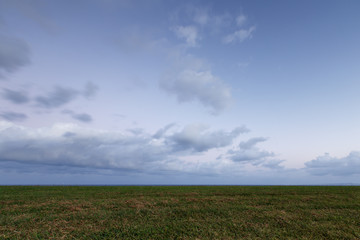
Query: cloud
point(190, 85)
point(220, 22)
point(70, 146)
point(327, 165)
point(201, 16)
point(83, 117)
point(13, 116)
point(251, 142)
point(240, 20)
point(14, 53)
point(247, 152)
point(249, 155)
point(240, 35)
point(33, 11)
point(273, 164)
point(189, 33)
point(82, 148)
point(90, 90)
point(63, 95)
point(16, 97)
point(197, 23)
point(161, 132)
point(136, 131)
point(57, 98)
point(196, 138)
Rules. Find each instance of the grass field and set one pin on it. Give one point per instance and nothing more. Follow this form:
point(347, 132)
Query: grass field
point(179, 212)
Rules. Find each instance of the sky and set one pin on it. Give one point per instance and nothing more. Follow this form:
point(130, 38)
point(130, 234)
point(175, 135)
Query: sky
point(125, 92)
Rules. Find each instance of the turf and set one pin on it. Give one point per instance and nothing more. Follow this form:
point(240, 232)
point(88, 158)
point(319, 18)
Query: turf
point(179, 212)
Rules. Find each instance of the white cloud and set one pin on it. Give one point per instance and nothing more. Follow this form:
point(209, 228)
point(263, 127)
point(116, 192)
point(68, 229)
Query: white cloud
point(240, 35)
point(189, 33)
point(240, 20)
point(327, 165)
point(221, 21)
point(201, 16)
point(203, 86)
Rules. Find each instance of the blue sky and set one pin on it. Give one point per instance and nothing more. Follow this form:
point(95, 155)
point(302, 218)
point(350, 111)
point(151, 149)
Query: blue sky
point(179, 92)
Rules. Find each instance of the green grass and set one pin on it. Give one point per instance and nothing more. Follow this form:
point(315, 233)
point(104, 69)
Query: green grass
point(179, 212)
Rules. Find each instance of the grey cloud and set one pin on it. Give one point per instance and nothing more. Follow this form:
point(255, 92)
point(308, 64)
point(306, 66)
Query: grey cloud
point(327, 165)
point(69, 134)
point(57, 98)
point(247, 152)
point(251, 142)
point(62, 95)
point(136, 131)
point(190, 85)
point(196, 138)
point(90, 90)
point(160, 133)
point(249, 155)
point(17, 97)
point(83, 117)
point(14, 53)
point(273, 164)
point(67, 145)
point(13, 116)
point(33, 10)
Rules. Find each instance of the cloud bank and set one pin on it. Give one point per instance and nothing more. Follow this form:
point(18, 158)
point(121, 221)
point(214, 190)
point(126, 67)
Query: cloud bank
point(327, 165)
point(68, 145)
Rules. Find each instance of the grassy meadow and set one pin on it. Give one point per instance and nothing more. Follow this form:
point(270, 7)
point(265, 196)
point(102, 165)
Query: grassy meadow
point(179, 212)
